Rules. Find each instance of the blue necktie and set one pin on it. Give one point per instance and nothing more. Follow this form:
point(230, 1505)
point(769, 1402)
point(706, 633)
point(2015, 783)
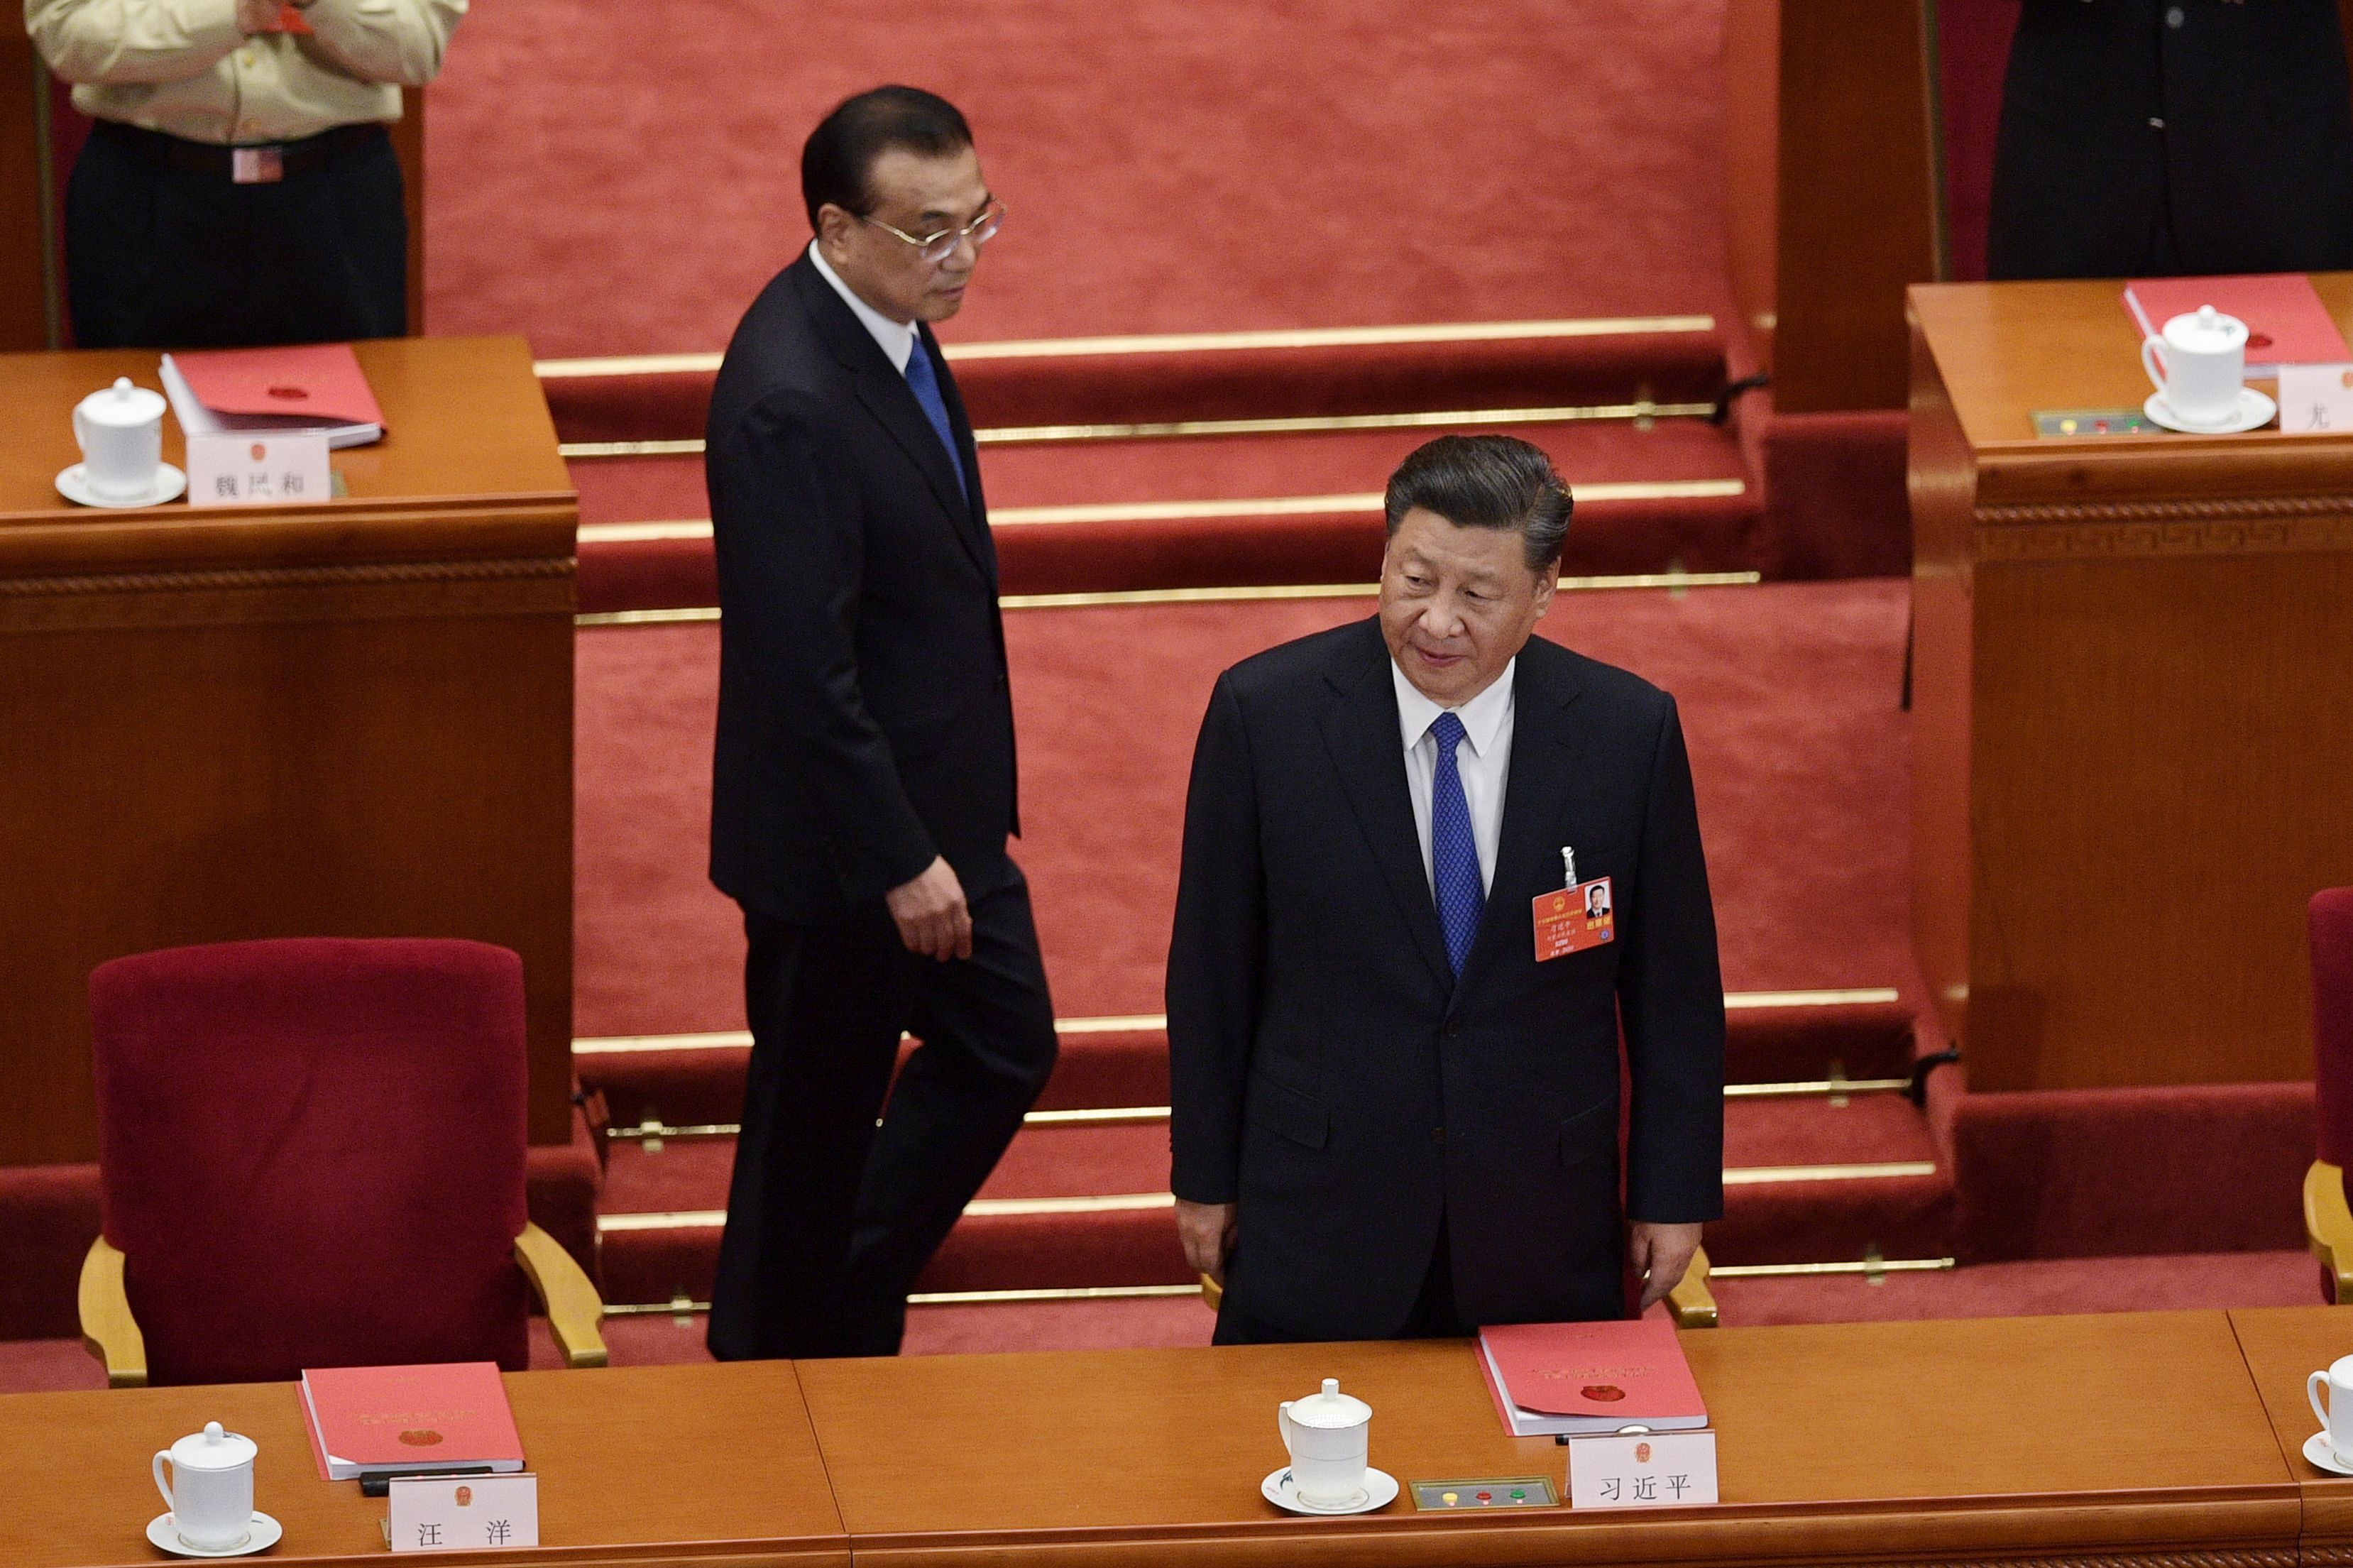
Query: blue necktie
point(1453, 852)
point(924, 382)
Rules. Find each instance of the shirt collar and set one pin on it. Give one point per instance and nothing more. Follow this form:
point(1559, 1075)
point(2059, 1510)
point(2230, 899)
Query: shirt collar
point(1482, 716)
point(895, 339)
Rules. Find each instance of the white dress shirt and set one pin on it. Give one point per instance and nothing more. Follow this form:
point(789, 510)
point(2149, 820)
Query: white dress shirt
point(1483, 758)
point(896, 339)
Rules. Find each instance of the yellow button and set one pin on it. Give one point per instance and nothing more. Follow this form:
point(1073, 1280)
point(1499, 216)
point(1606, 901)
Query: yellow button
point(1447, 1497)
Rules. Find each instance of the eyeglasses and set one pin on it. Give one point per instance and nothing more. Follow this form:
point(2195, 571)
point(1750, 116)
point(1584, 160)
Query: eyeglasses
point(935, 248)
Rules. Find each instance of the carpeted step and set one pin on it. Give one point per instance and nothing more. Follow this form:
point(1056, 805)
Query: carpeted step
point(1164, 381)
point(2171, 1282)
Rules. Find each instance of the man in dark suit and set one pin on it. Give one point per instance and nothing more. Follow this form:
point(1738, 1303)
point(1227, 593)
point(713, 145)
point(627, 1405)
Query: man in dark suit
point(1390, 1118)
point(863, 787)
point(2156, 138)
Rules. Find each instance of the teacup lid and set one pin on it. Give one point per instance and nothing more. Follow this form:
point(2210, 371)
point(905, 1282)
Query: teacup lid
point(212, 1450)
point(123, 404)
point(1330, 1408)
point(2205, 330)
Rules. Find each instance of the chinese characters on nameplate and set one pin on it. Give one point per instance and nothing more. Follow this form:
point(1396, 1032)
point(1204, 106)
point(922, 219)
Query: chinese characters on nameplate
point(1665, 1469)
point(453, 1513)
point(242, 469)
point(2316, 399)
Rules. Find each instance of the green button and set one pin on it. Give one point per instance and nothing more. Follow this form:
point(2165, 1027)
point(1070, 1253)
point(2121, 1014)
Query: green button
point(1517, 1494)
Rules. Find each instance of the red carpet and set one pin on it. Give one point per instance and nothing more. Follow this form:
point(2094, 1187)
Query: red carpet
point(1214, 164)
point(1788, 694)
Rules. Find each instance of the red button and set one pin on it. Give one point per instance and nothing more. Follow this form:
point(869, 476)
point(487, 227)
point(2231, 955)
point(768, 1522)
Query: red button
point(1486, 1496)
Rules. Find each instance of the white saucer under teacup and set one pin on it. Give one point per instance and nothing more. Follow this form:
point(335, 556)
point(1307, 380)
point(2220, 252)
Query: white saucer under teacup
point(169, 483)
point(2255, 410)
point(1379, 1490)
point(266, 1534)
point(2317, 1449)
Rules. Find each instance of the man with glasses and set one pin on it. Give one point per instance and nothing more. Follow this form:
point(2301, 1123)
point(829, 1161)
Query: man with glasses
point(864, 785)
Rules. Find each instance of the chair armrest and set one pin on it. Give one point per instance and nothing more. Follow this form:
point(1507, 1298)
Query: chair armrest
point(1691, 1303)
point(2328, 1225)
point(574, 1308)
point(108, 1329)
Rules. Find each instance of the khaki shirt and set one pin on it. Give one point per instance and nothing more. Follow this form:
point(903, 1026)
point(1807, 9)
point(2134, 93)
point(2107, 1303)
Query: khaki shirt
point(180, 67)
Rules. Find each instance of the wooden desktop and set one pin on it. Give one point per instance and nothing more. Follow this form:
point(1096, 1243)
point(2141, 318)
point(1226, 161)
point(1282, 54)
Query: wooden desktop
point(2133, 706)
point(2153, 1440)
point(348, 717)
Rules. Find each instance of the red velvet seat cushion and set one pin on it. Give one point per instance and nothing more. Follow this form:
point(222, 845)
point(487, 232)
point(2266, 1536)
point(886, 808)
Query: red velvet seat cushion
point(2332, 1021)
point(312, 1152)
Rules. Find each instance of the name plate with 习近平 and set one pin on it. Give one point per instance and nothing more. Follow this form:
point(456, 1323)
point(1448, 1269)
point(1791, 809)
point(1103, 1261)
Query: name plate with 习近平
point(1662, 1469)
point(246, 468)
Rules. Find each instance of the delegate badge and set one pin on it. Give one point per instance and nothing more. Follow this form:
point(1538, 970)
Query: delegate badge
point(1574, 918)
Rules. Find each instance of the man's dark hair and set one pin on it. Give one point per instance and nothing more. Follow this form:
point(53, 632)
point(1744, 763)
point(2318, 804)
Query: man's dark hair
point(839, 157)
point(1485, 481)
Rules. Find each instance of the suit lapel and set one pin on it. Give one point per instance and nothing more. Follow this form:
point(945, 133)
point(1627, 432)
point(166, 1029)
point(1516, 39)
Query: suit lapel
point(886, 394)
point(1360, 730)
point(1545, 745)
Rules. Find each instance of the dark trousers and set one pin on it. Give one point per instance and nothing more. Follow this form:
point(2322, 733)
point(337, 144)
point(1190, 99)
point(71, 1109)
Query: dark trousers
point(830, 1217)
point(1434, 1316)
point(161, 257)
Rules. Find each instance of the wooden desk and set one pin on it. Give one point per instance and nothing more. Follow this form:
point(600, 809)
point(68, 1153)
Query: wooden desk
point(346, 719)
point(1899, 1442)
point(704, 1464)
point(2283, 1346)
point(2133, 706)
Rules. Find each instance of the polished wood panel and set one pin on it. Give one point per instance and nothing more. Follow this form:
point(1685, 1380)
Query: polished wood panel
point(652, 1465)
point(1832, 205)
point(2132, 720)
point(1898, 1442)
point(2283, 1346)
point(349, 718)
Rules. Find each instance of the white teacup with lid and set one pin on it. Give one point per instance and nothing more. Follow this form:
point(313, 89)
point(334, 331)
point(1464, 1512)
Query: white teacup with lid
point(1328, 1435)
point(211, 1491)
point(119, 429)
point(2202, 366)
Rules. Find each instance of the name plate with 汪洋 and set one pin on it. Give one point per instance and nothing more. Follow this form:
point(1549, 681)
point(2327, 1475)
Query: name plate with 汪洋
point(1660, 1469)
point(2316, 399)
point(247, 469)
point(463, 1513)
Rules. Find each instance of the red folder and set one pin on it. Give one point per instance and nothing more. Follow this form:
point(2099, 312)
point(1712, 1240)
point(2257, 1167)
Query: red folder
point(2286, 323)
point(1590, 1377)
point(423, 1418)
point(308, 380)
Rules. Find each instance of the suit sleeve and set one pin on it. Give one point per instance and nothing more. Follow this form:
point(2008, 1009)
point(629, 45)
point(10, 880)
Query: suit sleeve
point(790, 537)
point(1670, 998)
point(1215, 959)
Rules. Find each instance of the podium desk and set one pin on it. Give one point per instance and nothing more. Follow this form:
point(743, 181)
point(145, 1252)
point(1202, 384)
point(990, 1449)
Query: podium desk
point(2132, 710)
point(2112, 1439)
point(703, 1465)
point(347, 718)
point(2284, 1345)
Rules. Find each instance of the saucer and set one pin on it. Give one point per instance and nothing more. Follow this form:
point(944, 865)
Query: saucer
point(2317, 1449)
point(264, 1535)
point(2255, 410)
point(169, 483)
point(1379, 1490)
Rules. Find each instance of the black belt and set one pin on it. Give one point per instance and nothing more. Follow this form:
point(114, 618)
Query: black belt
point(264, 163)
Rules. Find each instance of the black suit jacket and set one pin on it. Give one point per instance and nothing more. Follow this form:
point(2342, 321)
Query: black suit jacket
point(865, 722)
point(1333, 1079)
point(2253, 167)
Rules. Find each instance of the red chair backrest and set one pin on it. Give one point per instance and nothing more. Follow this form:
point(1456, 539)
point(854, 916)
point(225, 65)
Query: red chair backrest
point(312, 1153)
point(2332, 1021)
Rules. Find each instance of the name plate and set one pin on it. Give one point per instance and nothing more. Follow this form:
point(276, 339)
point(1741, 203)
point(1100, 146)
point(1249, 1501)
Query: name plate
point(284, 469)
point(454, 1513)
point(2316, 399)
point(1666, 1469)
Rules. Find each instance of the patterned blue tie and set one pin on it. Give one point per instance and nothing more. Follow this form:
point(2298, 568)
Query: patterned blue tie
point(1453, 852)
point(924, 382)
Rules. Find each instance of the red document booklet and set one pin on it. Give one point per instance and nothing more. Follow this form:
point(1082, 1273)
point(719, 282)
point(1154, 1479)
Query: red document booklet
point(2286, 323)
point(1551, 1378)
point(409, 1418)
point(307, 386)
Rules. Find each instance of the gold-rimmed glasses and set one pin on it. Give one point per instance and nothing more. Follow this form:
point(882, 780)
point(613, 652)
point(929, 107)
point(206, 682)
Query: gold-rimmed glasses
point(935, 248)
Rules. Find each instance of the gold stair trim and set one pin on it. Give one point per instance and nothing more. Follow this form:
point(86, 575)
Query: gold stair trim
point(1773, 1175)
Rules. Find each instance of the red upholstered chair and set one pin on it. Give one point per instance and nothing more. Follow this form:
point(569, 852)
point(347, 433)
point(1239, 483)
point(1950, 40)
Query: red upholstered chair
point(310, 1153)
point(2326, 1221)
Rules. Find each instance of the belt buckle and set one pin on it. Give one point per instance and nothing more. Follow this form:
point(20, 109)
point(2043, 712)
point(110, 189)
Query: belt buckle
point(256, 165)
